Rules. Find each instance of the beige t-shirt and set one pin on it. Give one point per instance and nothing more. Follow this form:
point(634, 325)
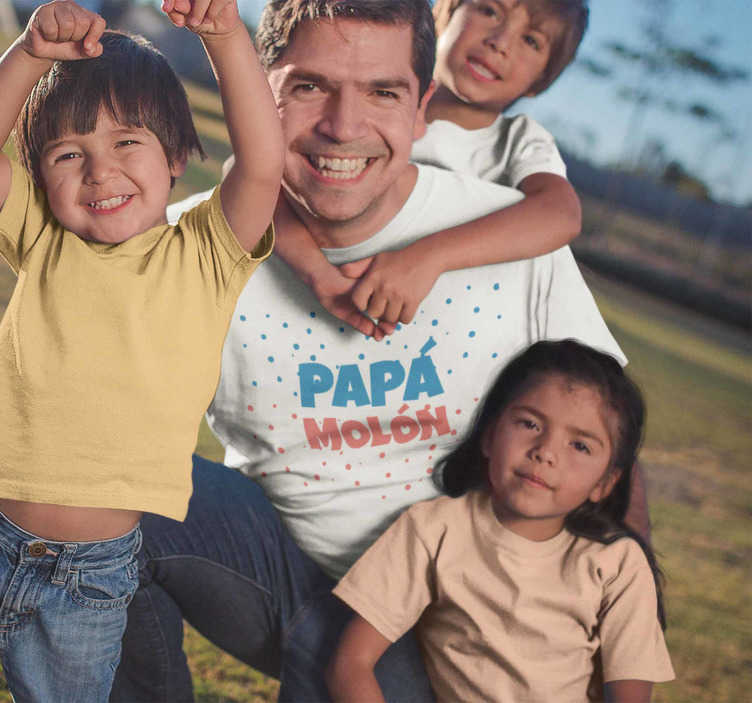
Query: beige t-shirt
point(505, 618)
point(110, 354)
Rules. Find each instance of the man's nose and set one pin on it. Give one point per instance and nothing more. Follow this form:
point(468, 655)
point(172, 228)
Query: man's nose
point(344, 118)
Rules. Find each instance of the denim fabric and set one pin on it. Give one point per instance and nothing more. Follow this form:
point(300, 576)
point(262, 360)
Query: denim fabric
point(235, 574)
point(63, 613)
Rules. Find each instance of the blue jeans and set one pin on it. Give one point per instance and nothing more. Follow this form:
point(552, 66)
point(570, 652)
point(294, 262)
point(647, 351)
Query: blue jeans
point(232, 571)
point(63, 613)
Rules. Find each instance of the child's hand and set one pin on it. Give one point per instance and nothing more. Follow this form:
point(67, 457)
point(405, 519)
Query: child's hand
point(393, 286)
point(63, 31)
point(204, 17)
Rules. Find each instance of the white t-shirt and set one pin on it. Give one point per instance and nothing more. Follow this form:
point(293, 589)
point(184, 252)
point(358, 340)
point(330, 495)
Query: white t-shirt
point(506, 152)
point(343, 432)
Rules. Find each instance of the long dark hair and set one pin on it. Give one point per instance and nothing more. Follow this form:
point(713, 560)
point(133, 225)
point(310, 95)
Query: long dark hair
point(466, 468)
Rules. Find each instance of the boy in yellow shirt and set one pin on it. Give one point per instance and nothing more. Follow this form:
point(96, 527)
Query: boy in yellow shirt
point(110, 347)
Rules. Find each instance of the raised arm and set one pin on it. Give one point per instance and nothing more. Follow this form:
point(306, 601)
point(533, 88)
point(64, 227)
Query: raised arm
point(350, 676)
point(57, 31)
point(250, 188)
point(547, 218)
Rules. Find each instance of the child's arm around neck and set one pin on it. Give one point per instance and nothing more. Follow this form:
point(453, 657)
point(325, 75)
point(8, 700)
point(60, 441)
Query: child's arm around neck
point(63, 31)
point(250, 189)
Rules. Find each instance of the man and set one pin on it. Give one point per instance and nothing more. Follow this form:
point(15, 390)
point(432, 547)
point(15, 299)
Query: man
point(340, 433)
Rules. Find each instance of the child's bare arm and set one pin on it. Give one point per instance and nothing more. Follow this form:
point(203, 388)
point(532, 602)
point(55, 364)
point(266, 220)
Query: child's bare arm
point(350, 674)
point(249, 190)
point(297, 248)
point(628, 691)
point(57, 31)
point(547, 218)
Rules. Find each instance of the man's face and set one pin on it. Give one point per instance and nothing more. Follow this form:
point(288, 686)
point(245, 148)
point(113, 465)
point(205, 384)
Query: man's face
point(348, 100)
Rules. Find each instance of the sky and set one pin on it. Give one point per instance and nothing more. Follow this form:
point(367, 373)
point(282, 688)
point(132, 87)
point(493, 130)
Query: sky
point(589, 119)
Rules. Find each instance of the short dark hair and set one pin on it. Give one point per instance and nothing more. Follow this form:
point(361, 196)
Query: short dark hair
point(281, 18)
point(573, 15)
point(130, 79)
point(465, 468)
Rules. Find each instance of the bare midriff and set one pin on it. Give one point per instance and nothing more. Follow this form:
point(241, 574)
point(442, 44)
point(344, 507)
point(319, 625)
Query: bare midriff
point(64, 523)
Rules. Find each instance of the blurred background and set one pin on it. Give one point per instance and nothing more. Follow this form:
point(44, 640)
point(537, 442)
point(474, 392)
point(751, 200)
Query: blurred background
point(654, 120)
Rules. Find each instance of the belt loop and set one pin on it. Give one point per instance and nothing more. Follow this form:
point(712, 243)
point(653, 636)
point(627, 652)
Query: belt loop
point(62, 568)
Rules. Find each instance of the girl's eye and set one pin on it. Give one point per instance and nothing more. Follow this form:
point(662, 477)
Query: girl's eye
point(532, 42)
point(487, 10)
point(527, 423)
point(581, 446)
point(67, 156)
point(127, 142)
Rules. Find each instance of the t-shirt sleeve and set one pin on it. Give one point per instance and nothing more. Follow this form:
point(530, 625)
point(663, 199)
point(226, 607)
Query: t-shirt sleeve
point(218, 248)
point(531, 149)
point(391, 584)
point(23, 216)
point(632, 642)
point(565, 307)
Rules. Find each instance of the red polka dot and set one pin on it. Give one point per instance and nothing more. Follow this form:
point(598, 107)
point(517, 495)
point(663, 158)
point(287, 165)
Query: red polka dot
point(406, 460)
point(263, 474)
point(274, 405)
point(281, 450)
point(317, 477)
point(432, 447)
point(408, 487)
point(295, 416)
point(429, 470)
point(348, 467)
point(454, 431)
point(250, 407)
point(476, 399)
point(271, 427)
point(357, 483)
point(323, 463)
point(305, 483)
point(458, 411)
point(382, 455)
point(388, 475)
point(287, 468)
point(383, 497)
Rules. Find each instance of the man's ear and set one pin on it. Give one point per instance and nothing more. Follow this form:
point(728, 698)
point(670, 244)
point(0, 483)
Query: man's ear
point(420, 126)
point(604, 487)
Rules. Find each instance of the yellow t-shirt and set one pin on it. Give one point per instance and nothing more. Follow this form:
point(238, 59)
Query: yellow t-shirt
point(110, 354)
point(502, 618)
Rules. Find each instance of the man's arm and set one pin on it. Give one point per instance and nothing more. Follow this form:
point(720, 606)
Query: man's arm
point(250, 188)
point(57, 31)
point(546, 219)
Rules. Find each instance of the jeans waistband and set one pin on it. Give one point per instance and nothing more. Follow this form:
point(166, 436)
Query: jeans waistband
point(113, 553)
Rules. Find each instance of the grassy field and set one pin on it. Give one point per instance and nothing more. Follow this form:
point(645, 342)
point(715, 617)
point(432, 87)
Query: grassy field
point(697, 376)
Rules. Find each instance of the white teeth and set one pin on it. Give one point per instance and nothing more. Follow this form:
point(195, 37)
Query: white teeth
point(337, 168)
point(480, 68)
point(110, 203)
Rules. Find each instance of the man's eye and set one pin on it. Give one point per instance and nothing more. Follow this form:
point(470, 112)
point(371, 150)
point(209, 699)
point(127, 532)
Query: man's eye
point(386, 94)
point(305, 87)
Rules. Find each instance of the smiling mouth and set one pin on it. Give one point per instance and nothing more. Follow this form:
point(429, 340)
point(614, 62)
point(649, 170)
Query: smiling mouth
point(482, 70)
point(109, 203)
point(341, 169)
point(533, 480)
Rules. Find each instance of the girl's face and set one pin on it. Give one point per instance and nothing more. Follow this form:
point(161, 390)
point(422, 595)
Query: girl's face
point(548, 452)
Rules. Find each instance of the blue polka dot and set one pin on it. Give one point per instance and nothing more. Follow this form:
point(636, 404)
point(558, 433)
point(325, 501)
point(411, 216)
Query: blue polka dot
point(448, 301)
point(308, 330)
point(471, 333)
point(434, 322)
point(388, 342)
point(464, 356)
point(313, 314)
point(476, 309)
point(496, 286)
point(399, 325)
point(267, 316)
point(449, 372)
point(312, 357)
point(494, 355)
point(469, 286)
point(295, 393)
point(263, 336)
point(279, 379)
point(322, 346)
point(285, 325)
point(253, 383)
point(341, 329)
point(361, 356)
point(270, 359)
point(296, 346)
point(245, 346)
point(498, 317)
point(242, 318)
point(405, 346)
